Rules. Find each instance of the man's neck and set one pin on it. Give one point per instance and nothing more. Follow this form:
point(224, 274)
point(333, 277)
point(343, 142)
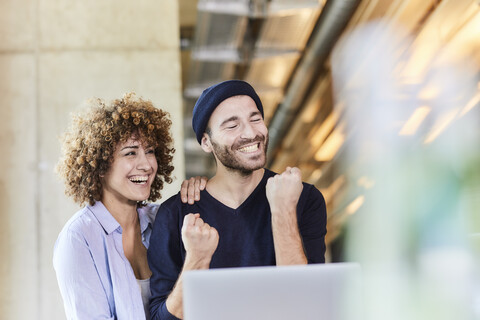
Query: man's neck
point(232, 188)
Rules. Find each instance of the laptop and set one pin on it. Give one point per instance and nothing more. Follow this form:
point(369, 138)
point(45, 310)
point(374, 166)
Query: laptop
point(318, 291)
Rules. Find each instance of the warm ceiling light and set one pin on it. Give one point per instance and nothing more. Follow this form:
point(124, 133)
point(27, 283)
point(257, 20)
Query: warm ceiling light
point(472, 103)
point(315, 176)
point(314, 103)
point(311, 111)
point(421, 57)
point(355, 204)
point(415, 120)
point(366, 182)
point(323, 131)
point(429, 92)
point(464, 43)
point(332, 144)
point(445, 120)
point(333, 188)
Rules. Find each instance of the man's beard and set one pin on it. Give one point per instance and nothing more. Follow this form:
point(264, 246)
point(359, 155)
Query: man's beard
point(227, 157)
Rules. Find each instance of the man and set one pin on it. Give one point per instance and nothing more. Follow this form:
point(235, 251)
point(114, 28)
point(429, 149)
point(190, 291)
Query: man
point(246, 216)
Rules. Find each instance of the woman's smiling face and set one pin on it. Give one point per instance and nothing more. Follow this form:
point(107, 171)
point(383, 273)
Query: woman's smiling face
point(131, 173)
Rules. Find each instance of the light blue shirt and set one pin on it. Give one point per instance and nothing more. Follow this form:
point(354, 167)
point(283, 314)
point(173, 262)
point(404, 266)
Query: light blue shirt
point(95, 278)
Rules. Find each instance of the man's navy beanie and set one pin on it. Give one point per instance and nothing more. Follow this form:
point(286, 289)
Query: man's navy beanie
point(213, 96)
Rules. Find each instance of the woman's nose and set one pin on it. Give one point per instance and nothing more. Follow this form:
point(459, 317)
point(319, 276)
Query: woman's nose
point(143, 163)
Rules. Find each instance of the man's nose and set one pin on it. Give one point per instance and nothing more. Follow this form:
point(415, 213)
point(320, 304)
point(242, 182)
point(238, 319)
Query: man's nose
point(248, 132)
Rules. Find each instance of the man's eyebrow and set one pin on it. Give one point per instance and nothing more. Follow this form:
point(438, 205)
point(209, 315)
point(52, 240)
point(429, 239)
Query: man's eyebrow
point(254, 113)
point(228, 120)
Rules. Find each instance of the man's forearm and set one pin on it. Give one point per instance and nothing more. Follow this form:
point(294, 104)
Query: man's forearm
point(174, 301)
point(287, 240)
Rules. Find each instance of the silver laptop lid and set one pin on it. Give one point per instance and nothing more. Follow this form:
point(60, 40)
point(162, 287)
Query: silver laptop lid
point(322, 291)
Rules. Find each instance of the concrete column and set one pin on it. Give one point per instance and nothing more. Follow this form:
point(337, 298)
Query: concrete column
point(54, 54)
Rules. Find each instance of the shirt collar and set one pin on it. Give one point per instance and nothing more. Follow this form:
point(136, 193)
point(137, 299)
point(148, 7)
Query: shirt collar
point(108, 222)
point(146, 214)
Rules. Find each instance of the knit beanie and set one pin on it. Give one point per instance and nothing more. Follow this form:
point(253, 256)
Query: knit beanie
point(213, 96)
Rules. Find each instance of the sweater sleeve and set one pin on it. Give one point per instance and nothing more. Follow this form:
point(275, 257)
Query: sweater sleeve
point(313, 224)
point(164, 258)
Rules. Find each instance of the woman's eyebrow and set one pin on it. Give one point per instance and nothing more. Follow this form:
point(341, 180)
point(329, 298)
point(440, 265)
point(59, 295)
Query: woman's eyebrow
point(129, 147)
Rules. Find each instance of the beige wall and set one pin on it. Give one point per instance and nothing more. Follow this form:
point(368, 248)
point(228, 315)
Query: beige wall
point(53, 55)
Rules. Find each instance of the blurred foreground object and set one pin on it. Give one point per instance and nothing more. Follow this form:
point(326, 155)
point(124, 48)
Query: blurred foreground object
point(412, 132)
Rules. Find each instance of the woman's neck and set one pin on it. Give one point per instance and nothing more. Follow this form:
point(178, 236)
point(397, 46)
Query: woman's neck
point(125, 213)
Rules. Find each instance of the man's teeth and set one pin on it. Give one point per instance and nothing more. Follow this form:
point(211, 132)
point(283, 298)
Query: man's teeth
point(139, 179)
point(249, 148)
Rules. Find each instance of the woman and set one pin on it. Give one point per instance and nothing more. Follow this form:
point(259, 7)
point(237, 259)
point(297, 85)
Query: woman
point(116, 157)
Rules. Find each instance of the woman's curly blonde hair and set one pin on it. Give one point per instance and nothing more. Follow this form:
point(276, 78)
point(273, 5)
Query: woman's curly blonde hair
point(89, 144)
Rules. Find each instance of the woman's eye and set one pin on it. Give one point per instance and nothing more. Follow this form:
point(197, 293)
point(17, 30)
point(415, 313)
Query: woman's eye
point(131, 153)
point(151, 151)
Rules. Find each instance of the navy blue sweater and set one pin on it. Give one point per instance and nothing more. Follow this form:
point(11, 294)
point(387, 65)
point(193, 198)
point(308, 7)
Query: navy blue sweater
point(245, 236)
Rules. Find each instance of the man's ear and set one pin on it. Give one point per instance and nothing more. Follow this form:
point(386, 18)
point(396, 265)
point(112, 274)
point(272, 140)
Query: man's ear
point(206, 143)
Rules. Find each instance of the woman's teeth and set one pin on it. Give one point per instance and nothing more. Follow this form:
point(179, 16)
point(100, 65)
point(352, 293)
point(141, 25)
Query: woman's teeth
point(139, 179)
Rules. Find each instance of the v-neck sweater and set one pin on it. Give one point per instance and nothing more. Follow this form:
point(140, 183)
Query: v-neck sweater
point(245, 236)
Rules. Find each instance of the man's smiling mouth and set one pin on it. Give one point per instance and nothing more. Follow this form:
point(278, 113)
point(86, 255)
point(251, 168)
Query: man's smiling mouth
point(252, 148)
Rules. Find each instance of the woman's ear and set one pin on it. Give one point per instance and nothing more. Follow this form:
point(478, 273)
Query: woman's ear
point(206, 144)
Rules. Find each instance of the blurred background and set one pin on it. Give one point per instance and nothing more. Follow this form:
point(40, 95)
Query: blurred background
point(376, 101)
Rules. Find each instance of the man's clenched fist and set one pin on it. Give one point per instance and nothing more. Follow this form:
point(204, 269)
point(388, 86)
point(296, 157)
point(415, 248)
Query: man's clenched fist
point(283, 191)
point(199, 238)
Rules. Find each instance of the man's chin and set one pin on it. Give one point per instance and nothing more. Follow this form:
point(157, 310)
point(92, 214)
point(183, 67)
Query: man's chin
point(244, 169)
point(253, 168)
